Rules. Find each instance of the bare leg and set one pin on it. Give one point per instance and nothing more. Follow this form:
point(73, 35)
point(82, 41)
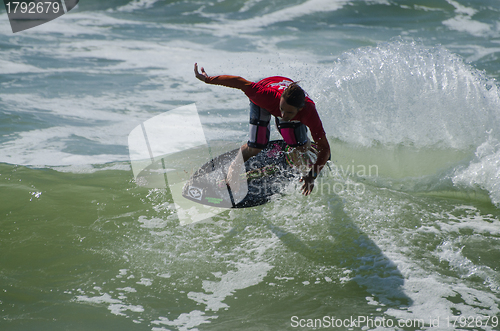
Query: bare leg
point(247, 151)
point(236, 166)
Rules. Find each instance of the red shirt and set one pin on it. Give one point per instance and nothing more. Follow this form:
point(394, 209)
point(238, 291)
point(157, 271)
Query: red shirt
point(267, 93)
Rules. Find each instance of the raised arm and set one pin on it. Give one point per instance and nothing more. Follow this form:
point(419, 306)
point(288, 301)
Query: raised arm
point(224, 80)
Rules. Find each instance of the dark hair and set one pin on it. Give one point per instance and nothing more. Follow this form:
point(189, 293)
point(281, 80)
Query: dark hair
point(294, 95)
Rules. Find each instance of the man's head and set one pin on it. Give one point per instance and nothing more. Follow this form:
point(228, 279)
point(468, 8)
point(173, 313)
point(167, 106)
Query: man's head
point(292, 101)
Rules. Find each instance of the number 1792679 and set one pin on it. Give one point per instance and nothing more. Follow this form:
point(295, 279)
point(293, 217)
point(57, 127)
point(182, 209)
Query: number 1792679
point(45, 7)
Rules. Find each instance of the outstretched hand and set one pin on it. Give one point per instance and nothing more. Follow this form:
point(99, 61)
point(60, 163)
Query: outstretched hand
point(203, 76)
point(307, 184)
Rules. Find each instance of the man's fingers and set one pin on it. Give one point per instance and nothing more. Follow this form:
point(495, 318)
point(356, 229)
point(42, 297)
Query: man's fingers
point(307, 188)
point(201, 76)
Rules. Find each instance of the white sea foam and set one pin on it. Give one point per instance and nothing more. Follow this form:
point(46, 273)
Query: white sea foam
point(451, 252)
point(228, 27)
point(137, 4)
point(108, 117)
point(460, 9)
point(473, 220)
point(216, 292)
point(115, 306)
point(431, 294)
point(473, 53)
point(483, 172)
point(406, 93)
point(11, 67)
point(463, 22)
point(154, 223)
point(105, 298)
point(185, 321)
point(145, 282)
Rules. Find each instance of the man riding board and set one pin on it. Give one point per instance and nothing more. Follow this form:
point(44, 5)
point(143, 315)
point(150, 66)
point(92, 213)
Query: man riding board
point(293, 110)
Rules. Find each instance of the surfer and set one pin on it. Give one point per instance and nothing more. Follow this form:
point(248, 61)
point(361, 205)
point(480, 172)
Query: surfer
point(293, 111)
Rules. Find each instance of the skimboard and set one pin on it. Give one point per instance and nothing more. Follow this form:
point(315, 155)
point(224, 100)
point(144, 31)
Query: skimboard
point(262, 176)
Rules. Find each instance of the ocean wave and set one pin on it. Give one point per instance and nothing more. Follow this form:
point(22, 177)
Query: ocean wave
point(410, 94)
point(464, 22)
point(483, 172)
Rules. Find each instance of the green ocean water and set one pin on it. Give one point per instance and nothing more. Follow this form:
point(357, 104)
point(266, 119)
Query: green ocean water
point(401, 233)
point(85, 238)
point(95, 251)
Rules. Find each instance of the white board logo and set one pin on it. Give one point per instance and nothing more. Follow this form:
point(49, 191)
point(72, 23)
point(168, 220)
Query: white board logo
point(195, 192)
point(281, 85)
